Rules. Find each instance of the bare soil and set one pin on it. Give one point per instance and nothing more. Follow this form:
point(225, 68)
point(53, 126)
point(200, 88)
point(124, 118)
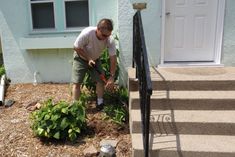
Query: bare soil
point(17, 139)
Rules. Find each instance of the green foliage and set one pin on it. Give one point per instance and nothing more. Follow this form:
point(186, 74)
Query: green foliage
point(118, 96)
point(116, 113)
point(89, 83)
point(105, 62)
point(116, 108)
point(59, 121)
point(2, 70)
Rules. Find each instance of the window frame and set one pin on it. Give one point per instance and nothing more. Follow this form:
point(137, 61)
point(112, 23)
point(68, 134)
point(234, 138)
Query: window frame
point(59, 27)
point(31, 17)
point(64, 14)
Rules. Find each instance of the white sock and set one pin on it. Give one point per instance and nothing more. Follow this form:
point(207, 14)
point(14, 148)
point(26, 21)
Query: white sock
point(100, 101)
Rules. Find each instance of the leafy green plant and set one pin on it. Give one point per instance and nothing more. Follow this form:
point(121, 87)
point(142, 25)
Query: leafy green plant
point(118, 96)
point(89, 83)
point(116, 108)
point(117, 113)
point(59, 121)
point(2, 71)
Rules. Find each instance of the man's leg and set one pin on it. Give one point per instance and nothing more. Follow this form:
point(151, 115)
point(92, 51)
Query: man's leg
point(79, 70)
point(76, 91)
point(99, 92)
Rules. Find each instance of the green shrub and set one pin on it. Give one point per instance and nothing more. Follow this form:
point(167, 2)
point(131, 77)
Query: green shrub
point(59, 121)
point(2, 71)
point(116, 107)
point(117, 113)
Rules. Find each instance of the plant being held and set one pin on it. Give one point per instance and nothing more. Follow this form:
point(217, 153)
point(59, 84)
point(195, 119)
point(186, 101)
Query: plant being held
point(59, 121)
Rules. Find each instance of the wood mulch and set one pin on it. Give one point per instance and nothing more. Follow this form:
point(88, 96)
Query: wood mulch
point(17, 139)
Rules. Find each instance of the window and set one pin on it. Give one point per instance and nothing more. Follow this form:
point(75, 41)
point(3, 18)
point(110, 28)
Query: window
point(76, 13)
point(42, 14)
point(59, 14)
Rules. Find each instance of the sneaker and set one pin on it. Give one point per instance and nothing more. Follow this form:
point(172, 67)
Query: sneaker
point(99, 107)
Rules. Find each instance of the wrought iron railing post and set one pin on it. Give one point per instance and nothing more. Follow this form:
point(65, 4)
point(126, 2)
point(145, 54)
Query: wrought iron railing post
point(140, 59)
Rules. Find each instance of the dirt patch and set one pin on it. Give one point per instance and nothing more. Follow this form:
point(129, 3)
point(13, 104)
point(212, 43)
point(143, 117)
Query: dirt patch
point(17, 139)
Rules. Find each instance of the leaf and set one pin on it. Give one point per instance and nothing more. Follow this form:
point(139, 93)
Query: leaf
point(40, 131)
point(57, 135)
point(46, 134)
point(81, 112)
point(55, 117)
point(47, 116)
point(77, 130)
point(72, 136)
point(65, 110)
point(64, 123)
point(70, 130)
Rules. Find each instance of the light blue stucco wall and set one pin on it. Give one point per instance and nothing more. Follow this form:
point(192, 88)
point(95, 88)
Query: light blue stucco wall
point(228, 52)
point(26, 52)
point(22, 57)
point(152, 29)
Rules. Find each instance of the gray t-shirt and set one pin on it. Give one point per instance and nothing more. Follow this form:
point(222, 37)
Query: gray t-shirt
point(88, 41)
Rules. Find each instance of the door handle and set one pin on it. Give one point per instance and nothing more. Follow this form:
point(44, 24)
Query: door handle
point(168, 13)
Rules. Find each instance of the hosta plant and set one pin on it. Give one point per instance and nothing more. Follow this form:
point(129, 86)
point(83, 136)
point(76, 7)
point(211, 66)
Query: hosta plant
point(59, 120)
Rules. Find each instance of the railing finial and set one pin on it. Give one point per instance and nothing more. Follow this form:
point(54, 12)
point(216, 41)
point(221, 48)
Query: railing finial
point(139, 6)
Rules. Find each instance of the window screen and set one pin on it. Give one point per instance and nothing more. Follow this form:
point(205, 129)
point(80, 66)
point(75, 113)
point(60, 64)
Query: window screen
point(43, 15)
point(77, 13)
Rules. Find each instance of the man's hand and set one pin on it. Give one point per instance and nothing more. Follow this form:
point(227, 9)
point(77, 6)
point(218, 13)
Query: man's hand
point(110, 84)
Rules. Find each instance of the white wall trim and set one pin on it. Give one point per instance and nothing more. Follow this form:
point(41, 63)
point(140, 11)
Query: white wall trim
point(219, 31)
point(163, 32)
point(47, 42)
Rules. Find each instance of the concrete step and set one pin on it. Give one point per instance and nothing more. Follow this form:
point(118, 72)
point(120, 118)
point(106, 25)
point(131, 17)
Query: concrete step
point(187, 85)
point(192, 112)
point(186, 146)
point(186, 122)
point(187, 79)
point(187, 100)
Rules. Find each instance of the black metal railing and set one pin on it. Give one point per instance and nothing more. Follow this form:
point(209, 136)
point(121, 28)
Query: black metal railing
point(140, 61)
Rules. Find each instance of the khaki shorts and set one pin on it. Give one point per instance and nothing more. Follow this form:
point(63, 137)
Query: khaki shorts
point(81, 67)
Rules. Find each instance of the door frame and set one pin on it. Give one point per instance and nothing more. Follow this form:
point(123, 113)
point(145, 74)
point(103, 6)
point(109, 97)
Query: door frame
point(218, 40)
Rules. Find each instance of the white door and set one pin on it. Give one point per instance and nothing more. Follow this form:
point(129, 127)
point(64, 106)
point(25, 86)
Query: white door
point(190, 30)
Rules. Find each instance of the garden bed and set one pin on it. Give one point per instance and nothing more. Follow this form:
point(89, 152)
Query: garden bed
point(16, 136)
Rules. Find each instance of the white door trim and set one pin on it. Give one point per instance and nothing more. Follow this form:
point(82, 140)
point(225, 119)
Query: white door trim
point(219, 35)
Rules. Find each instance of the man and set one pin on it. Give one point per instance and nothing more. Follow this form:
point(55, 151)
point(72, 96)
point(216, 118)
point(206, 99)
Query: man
point(88, 48)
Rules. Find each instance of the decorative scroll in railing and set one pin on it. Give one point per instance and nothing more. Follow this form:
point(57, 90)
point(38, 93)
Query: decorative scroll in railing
point(140, 60)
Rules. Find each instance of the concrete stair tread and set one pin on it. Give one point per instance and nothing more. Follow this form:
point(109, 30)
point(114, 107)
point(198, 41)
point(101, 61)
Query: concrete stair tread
point(192, 143)
point(187, 94)
point(190, 74)
point(203, 73)
point(193, 116)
